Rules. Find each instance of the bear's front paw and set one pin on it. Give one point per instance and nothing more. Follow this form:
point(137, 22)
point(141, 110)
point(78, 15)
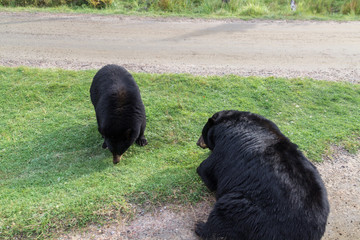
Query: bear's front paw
point(199, 229)
point(141, 141)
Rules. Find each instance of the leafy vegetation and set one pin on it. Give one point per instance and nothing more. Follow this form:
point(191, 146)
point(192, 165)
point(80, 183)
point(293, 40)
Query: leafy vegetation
point(269, 9)
point(54, 175)
point(55, 3)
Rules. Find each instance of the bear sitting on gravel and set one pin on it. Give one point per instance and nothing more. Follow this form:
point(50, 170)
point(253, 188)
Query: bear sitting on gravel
point(265, 187)
point(120, 112)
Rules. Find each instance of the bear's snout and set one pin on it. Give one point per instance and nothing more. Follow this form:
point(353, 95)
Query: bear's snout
point(116, 158)
point(201, 142)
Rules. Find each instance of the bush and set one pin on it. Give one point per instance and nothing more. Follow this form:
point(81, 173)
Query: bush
point(211, 6)
point(165, 5)
point(351, 7)
point(99, 3)
point(333, 6)
point(176, 6)
point(253, 10)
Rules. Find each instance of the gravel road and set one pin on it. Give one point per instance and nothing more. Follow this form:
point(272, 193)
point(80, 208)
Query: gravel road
point(320, 50)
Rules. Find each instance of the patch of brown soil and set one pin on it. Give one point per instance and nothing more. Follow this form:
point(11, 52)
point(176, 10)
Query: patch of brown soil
point(167, 222)
point(341, 174)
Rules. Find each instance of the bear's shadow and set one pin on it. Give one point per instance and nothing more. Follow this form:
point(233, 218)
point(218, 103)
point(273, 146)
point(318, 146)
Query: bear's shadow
point(60, 155)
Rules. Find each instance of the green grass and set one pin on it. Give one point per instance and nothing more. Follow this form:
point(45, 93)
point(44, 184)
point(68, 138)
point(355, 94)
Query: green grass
point(55, 176)
point(243, 9)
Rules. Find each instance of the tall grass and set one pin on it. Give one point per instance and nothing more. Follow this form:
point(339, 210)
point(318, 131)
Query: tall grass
point(195, 8)
point(54, 175)
point(56, 3)
point(248, 7)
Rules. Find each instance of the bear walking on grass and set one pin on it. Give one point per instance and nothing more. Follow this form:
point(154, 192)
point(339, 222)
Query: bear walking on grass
point(266, 189)
point(120, 112)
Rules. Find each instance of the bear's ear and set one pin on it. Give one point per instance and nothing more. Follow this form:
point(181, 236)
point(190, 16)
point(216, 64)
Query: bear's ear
point(213, 119)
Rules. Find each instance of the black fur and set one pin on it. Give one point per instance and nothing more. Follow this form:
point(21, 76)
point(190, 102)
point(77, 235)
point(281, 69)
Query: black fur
point(265, 187)
point(120, 112)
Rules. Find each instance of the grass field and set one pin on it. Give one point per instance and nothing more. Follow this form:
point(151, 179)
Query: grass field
point(55, 176)
point(244, 9)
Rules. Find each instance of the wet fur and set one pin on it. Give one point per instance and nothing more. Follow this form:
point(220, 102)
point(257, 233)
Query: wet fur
point(120, 112)
point(265, 187)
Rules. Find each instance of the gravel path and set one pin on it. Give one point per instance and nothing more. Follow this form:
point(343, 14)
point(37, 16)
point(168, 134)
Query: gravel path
point(320, 50)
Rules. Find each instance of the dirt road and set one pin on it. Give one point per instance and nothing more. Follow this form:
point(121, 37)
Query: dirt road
point(321, 50)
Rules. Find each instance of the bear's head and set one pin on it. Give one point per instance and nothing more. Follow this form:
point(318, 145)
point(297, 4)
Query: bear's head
point(206, 140)
point(119, 142)
point(232, 122)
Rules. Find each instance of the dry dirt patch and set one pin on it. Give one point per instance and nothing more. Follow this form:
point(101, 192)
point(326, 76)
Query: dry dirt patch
point(166, 222)
point(340, 172)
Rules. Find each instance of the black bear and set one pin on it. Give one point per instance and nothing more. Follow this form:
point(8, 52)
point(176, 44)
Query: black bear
point(266, 189)
point(120, 112)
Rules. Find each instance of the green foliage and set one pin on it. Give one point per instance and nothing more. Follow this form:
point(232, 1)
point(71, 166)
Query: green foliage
point(55, 3)
point(54, 175)
point(252, 9)
point(351, 7)
point(332, 6)
point(211, 6)
point(99, 3)
point(319, 9)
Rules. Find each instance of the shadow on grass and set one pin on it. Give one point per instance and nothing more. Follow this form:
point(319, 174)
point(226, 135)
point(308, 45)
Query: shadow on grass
point(64, 154)
point(174, 182)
